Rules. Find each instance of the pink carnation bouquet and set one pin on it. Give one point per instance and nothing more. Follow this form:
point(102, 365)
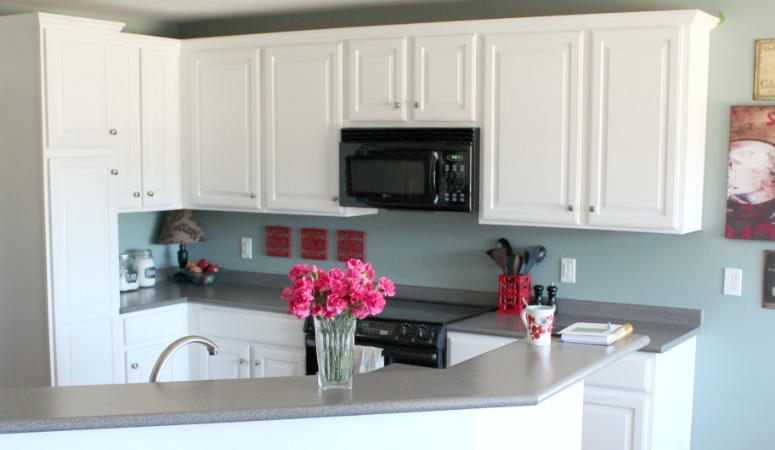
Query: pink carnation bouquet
point(336, 293)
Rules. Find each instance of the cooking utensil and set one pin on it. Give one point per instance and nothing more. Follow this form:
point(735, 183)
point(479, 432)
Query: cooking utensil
point(506, 245)
point(500, 256)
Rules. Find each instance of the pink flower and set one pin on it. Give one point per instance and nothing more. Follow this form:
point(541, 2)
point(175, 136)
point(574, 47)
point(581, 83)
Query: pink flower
point(330, 294)
point(387, 287)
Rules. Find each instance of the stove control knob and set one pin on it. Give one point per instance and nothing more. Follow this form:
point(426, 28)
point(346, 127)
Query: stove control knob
point(422, 332)
point(404, 330)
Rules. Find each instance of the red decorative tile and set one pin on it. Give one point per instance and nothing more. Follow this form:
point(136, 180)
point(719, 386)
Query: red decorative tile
point(314, 243)
point(278, 241)
point(350, 244)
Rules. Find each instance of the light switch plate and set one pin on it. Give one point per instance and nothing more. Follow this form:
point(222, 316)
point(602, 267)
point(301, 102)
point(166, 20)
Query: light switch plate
point(246, 248)
point(567, 270)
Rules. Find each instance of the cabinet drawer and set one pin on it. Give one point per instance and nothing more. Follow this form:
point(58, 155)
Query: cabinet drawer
point(634, 372)
point(164, 325)
point(251, 326)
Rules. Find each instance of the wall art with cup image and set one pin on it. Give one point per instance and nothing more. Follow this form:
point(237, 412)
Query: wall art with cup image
point(750, 212)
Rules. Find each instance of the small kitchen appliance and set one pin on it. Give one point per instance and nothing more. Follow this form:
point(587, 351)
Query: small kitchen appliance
point(408, 332)
point(430, 169)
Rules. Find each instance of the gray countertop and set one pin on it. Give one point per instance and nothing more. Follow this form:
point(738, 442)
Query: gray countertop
point(665, 327)
point(518, 374)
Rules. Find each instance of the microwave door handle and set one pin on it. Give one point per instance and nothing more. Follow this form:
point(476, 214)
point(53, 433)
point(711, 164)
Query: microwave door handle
point(435, 176)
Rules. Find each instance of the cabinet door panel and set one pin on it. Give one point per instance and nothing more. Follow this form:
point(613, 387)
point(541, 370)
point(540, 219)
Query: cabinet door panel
point(303, 117)
point(78, 89)
point(531, 138)
point(140, 362)
point(126, 94)
point(445, 78)
point(224, 129)
point(377, 74)
point(614, 420)
point(231, 362)
point(277, 362)
point(633, 134)
point(84, 247)
point(159, 114)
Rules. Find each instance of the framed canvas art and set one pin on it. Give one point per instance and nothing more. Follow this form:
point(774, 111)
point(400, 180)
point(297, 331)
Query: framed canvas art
point(750, 212)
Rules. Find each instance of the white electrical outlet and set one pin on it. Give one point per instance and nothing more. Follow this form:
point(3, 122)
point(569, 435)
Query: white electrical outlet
point(733, 281)
point(567, 270)
point(246, 248)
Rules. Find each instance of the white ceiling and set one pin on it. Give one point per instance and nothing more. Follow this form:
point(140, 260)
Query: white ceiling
point(190, 10)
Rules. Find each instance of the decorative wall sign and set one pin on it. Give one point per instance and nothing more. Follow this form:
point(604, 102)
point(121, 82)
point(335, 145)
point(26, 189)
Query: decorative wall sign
point(764, 75)
point(314, 243)
point(278, 241)
point(768, 290)
point(751, 180)
point(349, 244)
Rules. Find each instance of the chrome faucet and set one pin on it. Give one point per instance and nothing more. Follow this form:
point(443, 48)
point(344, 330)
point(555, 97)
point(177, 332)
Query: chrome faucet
point(212, 349)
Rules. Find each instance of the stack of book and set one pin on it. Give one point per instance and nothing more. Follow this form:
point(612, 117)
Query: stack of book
point(595, 333)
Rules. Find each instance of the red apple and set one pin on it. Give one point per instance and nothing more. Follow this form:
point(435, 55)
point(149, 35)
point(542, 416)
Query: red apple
point(212, 268)
point(203, 263)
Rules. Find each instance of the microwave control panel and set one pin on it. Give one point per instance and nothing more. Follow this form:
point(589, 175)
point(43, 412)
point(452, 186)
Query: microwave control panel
point(455, 180)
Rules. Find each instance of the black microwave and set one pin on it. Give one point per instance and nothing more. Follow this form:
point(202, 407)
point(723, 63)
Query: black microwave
point(431, 169)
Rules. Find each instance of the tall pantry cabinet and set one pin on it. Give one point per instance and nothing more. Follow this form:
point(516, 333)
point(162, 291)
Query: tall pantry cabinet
point(60, 304)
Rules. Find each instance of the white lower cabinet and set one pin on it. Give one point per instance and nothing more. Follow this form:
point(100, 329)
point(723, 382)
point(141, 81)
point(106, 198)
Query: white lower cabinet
point(147, 334)
point(251, 344)
point(641, 402)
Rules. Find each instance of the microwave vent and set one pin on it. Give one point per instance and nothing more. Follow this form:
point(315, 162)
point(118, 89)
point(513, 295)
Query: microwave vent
point(410, 134)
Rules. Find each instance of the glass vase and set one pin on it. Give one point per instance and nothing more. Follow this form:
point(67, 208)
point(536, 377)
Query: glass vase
point(335, 341)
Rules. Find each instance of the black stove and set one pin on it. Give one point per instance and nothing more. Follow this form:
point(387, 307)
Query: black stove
point(408, 331)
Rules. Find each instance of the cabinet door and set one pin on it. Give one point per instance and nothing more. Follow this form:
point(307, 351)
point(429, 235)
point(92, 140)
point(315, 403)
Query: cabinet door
point(231, 362)
point(301, 122)
point(445, 78)
point(159, 113)
point(78, 89)
point(269, 361)
point(377, 79)
point(126, 98)
point(224, 129)
point(614, 420)
point(84, 272)
point(633, 142)
point(140, 362)
point(531, 140)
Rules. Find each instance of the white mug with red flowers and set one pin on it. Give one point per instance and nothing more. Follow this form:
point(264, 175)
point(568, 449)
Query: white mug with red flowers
point(538, 321)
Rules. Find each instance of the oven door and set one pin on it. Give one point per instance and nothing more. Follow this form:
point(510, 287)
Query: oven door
point(416, 356)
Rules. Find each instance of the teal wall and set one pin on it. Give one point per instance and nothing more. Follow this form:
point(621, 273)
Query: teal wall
point(733, 394)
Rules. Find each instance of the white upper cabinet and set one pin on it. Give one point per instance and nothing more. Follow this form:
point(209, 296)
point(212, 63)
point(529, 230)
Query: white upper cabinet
point(147, 105)
point(622, 151)
point(532, 141)
point(78, 89)
point(438, 84)
point(302, 119)
point(224, 129)
point(635, 166)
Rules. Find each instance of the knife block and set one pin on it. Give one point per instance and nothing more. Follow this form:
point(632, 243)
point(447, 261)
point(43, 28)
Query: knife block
point(513, 292)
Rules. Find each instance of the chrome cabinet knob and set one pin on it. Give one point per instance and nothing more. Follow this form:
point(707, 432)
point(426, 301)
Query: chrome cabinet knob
point(258, 362)
point(570, 208)
point(113, 131)
point(335, 199)
point(592, 209)
point(397, 105)
point(114, 171)
point(135, 194)
point(252, 195)
point(242, 361)
point(416, 104)
point(135, 365)
point(150, 194)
